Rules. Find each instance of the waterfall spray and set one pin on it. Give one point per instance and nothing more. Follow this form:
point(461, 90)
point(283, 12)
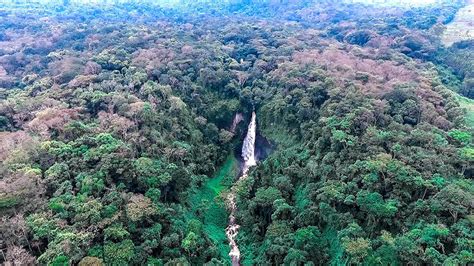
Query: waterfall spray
point(248, 155)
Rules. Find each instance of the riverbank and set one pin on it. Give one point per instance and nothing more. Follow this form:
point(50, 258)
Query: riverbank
point(208, 205)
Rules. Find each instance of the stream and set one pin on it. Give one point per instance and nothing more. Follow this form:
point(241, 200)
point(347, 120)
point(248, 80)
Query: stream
point(248, 156)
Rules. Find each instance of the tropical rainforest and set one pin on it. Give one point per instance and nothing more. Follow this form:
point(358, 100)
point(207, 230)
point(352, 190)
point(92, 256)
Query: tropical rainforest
point(121, 128)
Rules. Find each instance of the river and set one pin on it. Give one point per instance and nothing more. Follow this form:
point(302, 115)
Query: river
point(248, 156)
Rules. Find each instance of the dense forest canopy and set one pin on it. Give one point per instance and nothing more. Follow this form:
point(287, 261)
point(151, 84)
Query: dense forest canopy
point(121, 131)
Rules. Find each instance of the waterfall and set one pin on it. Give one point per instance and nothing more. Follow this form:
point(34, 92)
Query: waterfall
point(248, 155)
point(248, 148)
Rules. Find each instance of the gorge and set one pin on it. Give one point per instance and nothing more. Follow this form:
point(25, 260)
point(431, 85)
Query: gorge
point(248, 156)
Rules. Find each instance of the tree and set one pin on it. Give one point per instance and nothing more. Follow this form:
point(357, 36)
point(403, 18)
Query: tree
point(91, 261)
point(119, 253)
point(139, 207)
point(264, 199)
point(374, 204)
point(452, 199)
point(19, 256)
point(357, 249)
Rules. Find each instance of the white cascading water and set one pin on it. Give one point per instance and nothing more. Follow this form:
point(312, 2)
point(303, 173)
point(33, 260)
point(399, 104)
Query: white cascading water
point(248, 148)
point(248, 155)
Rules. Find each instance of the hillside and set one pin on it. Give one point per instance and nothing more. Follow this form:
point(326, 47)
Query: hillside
point(461, 28)
point(120, 137)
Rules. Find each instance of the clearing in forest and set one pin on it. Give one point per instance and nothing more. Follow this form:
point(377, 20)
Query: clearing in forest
point(461, 28)
point(208, 204)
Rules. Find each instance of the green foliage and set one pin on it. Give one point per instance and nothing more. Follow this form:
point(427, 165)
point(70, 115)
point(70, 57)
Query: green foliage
point(60, 261)
point(358, 249)
point(115, 233)
point(461, 136)
point(468, 105)
point(266, 197)
point(374, 204)
point(55, 253)
point(42, 226)
point(119, 253)
point(151, 261)
point(154, 194)
point(116, 129)
point(9, 202)
point(208, 205)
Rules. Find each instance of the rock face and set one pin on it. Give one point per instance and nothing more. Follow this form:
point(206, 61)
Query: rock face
point(237, 119)
point(248, 155)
